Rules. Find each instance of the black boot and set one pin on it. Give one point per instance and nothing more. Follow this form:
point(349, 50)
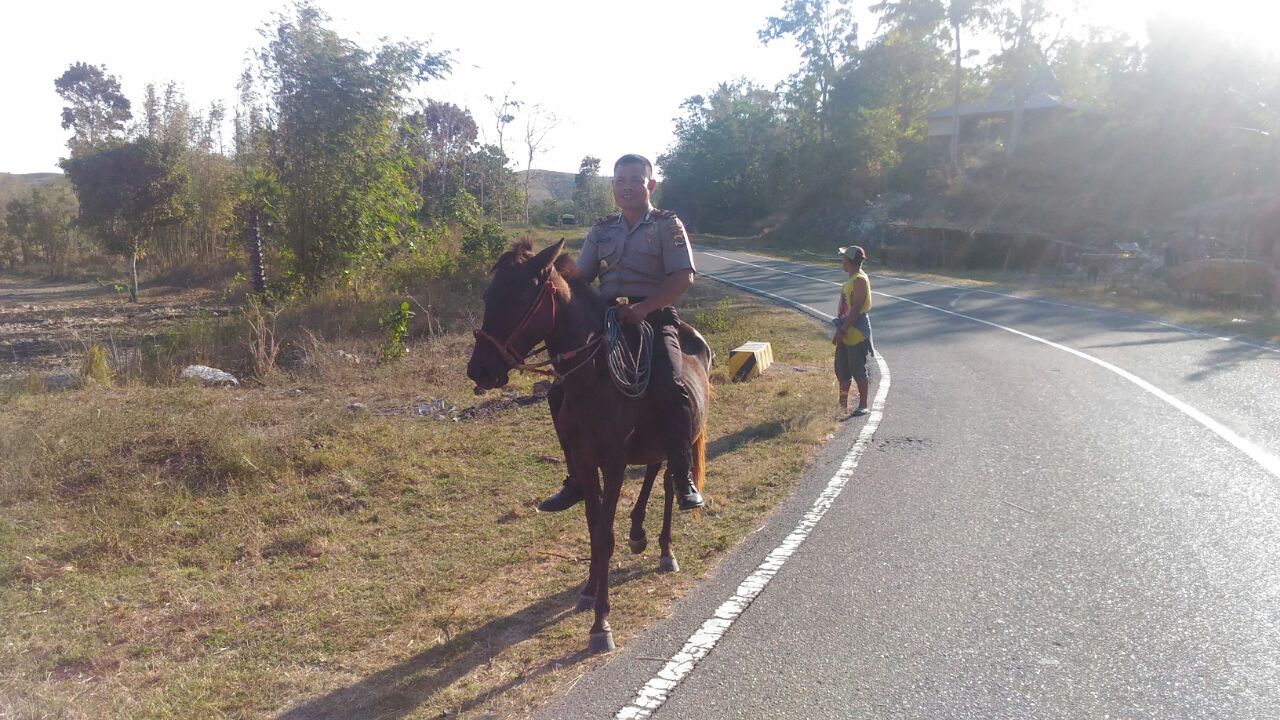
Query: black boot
point(687, 496)
point(570, 494)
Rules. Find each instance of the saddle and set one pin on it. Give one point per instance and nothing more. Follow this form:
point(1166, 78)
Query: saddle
point(692, 343)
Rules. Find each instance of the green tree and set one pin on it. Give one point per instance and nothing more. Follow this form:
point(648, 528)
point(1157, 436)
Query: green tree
point(731, 161)
point(441, 138)
point(127, 192)
point(96, 110)
point(346, 181)
point(491, 182)
point(827, 36)
point(53, 212)
point(944, 20)
point(18, 224)
point(590, 195)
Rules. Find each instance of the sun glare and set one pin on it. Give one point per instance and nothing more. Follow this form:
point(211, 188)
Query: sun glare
point(1252, 22)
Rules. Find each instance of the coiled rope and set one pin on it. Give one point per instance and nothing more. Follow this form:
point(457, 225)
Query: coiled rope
point(630, 371)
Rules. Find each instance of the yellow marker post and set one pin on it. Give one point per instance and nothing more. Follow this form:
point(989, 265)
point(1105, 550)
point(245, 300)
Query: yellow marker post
point(749, 360)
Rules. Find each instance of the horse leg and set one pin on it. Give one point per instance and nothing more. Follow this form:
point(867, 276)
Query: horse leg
point(667, 563)
point(602, 544)
point(590, 479)
point(637, 538)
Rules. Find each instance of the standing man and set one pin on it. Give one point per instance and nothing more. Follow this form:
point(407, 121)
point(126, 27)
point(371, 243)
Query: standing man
point(852, 337)
point(643, 260)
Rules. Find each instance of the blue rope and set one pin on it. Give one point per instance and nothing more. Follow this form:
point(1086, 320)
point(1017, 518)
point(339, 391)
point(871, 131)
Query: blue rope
point(630, 371)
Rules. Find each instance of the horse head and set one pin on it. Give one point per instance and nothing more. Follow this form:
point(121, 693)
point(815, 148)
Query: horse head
point(519, 312)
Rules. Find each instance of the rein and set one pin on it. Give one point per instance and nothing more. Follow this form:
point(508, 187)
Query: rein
point(516, 360)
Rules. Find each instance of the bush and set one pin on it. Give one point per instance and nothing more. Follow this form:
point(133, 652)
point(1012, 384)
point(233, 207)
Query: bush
point(484, 242)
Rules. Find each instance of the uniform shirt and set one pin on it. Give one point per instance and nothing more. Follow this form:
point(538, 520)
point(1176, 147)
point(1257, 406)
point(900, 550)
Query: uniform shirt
point(855, 334)
point(634, 263)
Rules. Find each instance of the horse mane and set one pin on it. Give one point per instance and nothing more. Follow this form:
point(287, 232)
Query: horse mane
point(520, 250)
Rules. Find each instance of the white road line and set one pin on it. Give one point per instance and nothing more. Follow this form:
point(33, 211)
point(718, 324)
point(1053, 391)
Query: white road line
point(699, 645)
point(1041, 301)
point(1269, 462)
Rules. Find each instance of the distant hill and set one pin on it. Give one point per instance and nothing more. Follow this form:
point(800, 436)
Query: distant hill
point(548, 185)
point(14, 185)
point(551, 185)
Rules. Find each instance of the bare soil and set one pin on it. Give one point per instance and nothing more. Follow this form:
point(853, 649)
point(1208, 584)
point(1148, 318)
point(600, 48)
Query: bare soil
point(46, 326)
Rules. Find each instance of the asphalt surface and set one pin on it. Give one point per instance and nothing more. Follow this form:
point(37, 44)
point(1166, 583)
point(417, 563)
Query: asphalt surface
point(1058, 512)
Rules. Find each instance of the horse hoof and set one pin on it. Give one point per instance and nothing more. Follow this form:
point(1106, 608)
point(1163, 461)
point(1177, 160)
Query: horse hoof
point(601, 642)
point(585, 603)
point(638, 545)
point(668, 564)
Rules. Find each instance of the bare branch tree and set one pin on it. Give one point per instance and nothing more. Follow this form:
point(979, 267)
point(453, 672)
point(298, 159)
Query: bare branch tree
point(503, 116)
point(538, 122)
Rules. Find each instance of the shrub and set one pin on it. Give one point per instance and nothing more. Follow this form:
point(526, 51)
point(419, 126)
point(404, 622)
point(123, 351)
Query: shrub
point(484, 242)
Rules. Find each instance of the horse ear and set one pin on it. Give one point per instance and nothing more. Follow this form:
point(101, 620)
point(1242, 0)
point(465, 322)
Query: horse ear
point(543, 260)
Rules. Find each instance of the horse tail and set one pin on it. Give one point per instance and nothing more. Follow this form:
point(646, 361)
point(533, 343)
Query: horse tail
point(700, 460)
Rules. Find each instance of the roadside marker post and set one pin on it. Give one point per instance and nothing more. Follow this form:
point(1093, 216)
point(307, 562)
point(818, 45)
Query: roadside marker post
point(749, 360)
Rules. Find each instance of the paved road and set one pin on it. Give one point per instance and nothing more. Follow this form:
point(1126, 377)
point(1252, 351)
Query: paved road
point(1055, 512)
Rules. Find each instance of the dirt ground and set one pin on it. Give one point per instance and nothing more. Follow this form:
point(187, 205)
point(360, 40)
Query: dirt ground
point(46, 326)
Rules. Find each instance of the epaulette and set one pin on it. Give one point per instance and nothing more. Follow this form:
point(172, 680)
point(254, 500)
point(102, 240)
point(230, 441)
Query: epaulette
point(607, 218)
point(663, 214)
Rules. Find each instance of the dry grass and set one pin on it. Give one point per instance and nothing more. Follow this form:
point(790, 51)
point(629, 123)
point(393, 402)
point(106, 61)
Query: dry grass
point(178, 552)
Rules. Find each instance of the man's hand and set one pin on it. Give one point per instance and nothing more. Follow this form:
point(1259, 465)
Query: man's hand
point(841, 331)
point(631, 313)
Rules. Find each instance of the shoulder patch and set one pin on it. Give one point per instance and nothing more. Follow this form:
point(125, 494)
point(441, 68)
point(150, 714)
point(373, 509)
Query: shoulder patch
point(607, 218)
point(678, 235)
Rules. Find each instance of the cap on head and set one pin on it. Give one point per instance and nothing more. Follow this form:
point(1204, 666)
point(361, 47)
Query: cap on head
point(854, 253)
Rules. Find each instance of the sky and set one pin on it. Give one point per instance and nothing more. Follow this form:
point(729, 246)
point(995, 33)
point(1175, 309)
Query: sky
point(613, 74)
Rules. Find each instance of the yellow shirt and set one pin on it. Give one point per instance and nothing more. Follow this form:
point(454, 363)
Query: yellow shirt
point(854, 336)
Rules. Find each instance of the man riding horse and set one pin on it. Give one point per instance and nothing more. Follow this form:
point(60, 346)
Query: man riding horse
point(644, 262)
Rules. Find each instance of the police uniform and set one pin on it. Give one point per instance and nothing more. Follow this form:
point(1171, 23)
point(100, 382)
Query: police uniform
point(632, 263)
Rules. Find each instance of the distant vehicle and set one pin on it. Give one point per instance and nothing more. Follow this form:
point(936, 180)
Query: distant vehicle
point(567, 219)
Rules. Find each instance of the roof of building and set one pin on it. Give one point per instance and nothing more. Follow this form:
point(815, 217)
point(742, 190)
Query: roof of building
point(1045, 94)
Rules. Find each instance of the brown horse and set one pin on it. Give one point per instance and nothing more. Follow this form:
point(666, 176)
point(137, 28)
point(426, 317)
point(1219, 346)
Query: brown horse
point(529, 301)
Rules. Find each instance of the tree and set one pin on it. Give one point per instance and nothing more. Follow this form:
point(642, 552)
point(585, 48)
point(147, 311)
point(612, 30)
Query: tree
point(730, 164)
point(503, 116)
point(590, 196)
point(127, 191)
point(827, 36)
point(96, 111)
point(53, 212)
point(491, 182)
point(1022, 59)
point(346, 180)
point(944, 19)
point(441, 137)
point(18, 223)
point(538, 122)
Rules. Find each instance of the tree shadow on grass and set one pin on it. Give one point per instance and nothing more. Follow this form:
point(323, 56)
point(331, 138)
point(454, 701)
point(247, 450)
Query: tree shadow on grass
point(399, 690)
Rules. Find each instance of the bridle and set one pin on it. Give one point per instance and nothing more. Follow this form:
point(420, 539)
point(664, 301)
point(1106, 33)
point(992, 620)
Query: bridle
point(515, 359)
